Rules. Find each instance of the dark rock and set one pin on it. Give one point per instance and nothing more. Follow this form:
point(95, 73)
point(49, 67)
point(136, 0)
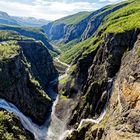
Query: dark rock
point(23, 78)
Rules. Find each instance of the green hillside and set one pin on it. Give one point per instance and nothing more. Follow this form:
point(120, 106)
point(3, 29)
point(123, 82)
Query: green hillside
point(29, 32)
point(73, 19)
point(6, 35)
point(122, 20)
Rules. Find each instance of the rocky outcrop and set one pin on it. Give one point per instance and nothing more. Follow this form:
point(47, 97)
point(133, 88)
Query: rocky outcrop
point(106, 63)
point(54, 32)
point(124, 122)
point(97, 19)
point(11, 128)
point(40, 60)
point(112, 71)
point(64, 32)
point(81, 30)
point(23, 78)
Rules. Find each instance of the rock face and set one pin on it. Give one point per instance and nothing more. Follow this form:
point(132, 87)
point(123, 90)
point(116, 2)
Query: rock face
point(81, 30)
point(97, 19)
point(124, 121)
point(55, 32)
point(11, 128)
point(40, 60)
point(23, 78)
point(112, 71)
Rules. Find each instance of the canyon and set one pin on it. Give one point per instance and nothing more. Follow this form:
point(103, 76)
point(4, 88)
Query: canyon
point(76, 78)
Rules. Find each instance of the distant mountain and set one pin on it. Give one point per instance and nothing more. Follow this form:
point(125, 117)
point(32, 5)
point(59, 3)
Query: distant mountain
point(6, 19)
point(30, 21)
point(22, 21)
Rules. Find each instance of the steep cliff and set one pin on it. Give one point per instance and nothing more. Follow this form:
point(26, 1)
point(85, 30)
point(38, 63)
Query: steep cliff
point(29, 32)
point(124, 111)
point(75, 27)
point(96, 20)
point(25, 70)
point(120, 94)
point(67, 28)
point(105, 76)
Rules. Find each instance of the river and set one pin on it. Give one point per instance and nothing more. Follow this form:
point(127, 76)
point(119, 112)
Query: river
point(54, 128)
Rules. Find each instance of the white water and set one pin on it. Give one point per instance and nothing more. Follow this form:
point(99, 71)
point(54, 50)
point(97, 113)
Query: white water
point(53, 131)
point(40, 132)
point(26, 122)
point(57, 126)
point(98, 120)
point(61, 76)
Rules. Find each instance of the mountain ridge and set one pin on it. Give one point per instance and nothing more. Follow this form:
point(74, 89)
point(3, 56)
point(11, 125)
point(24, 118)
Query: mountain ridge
point(5, 18)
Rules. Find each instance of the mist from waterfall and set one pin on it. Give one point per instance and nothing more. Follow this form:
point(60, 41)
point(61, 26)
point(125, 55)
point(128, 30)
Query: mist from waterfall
point(51, 130)
point(54, 128)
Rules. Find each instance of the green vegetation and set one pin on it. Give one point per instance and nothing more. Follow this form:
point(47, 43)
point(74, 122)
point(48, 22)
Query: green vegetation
point(10, 127)
point(68, 46)
point(39, 88)
point(63, 97)
point(6, 35)
point(22, 28)
point(69, 55)
point(29, 32)
point(8, 50)
point(124, 19)
point(64, 80)
point(84, 48)
point(138, 52)
point(72, 68)
point(73, 19)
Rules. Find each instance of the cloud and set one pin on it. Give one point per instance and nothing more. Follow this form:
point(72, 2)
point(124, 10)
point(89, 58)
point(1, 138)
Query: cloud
point(49, 9)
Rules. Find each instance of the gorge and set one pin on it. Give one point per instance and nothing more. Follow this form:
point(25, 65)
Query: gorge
point(76, 78)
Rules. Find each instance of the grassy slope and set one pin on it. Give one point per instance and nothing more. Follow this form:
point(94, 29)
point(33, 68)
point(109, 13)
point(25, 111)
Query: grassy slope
point(8, 50)
point(6, 35)
point(73, 19)
point(30, 32)
point(124, 19)
point(25, 33)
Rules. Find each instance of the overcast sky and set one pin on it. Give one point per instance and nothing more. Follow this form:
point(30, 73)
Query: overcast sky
point(50, 9)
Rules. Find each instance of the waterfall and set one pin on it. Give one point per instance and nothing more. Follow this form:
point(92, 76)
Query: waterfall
point(99, 119)
point(54, 128)
point(57, 126)
point(44, 132)
point(26, 122)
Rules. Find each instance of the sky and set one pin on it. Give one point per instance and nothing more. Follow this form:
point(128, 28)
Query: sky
point(51, 9)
